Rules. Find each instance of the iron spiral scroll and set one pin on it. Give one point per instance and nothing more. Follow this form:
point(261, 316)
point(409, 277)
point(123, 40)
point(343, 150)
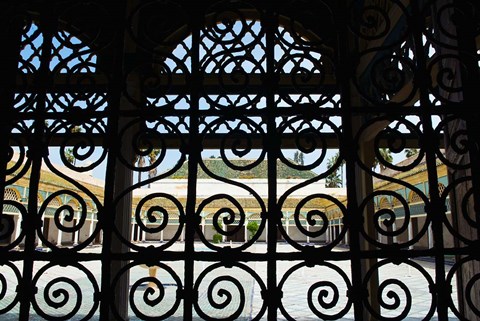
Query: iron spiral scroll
point(239, 160)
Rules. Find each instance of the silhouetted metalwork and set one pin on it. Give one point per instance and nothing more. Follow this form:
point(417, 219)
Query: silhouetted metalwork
point(141, 92)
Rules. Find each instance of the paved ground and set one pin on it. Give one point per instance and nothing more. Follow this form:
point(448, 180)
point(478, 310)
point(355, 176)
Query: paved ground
point(295, 290)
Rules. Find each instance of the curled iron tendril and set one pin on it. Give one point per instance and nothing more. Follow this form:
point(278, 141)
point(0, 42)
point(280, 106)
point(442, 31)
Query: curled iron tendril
point(152, 218)
point(459, 142)
point(388, 218)
point(165, 18)
point(240, 143)
point(156, 82)
point(226, 294)
point(371, 23)
point(227, 220)
point(7, 227)
point(8, 281)
point(78, 150)
point(3, 286)
point(473, 284)
point(390, 74)
point(152, 295)
point(395, 297)
point(66, 213)
point(60, 298)
point(466, 208)
point(310, 218)
point(61, 295)
point(306, 140)
point(154, 212)
point(327, 289)
point(228, 28)
point(324, 297)
point(148, 296)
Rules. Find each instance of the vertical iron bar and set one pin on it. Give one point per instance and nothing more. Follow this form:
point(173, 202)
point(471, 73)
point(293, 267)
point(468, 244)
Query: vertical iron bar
point(11, 54)
point(108, 215)
point(270, 25)
point(352, 219)
point(436, 210)
point(470, 85)
point(193, 150)
point(36, 151)
point(31, 221)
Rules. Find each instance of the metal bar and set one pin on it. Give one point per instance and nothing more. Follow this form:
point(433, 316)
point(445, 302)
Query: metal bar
point(213, 141)
point(11, 52)
point(36, 151)
point(194, 156)
point(273, 216)
point(352, 112)
point(436, 210)
point(108, 214)
point(211, 84)
point(36, 154)
point(352, 219)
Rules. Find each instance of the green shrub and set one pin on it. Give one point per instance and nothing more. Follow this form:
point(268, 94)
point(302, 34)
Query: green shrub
point(217, 238)
point(252, 227)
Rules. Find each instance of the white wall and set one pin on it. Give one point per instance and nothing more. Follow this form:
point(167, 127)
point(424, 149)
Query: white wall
point(208, 187)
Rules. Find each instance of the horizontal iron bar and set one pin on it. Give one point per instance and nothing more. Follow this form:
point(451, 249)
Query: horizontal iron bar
point(210, 141)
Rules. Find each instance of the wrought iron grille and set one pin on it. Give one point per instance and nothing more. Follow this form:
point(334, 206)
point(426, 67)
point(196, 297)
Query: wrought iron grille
point(173, 159)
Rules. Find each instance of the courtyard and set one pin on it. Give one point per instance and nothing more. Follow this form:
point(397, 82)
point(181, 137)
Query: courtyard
point(307, 293)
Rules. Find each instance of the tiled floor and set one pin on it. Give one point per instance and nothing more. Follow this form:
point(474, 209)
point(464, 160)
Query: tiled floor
point(325, 285)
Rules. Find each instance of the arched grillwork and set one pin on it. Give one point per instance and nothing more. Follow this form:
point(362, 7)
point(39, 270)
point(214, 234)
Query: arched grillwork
point(164, 121)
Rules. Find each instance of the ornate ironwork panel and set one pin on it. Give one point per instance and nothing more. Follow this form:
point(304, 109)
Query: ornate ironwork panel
point(251, 160)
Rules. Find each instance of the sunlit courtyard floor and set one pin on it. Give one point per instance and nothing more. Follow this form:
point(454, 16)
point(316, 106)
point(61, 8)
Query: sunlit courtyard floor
point(234, 291)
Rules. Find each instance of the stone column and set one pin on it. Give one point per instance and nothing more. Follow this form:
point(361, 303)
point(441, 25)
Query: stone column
point(132, 234)
point(90, 230)
point(346, 239)
point(394, 228)
point(287, 224)
point(40, 243)
point(245, 232)
point(60, 232)
point(76, 233)
point(308, 229)
point(430, 236)
point(144, 233)
point(327, 233)
point(410, 232)
point(18, 227)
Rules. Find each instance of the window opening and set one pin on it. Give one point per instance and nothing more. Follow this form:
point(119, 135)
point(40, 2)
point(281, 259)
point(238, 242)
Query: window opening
point(161, 142)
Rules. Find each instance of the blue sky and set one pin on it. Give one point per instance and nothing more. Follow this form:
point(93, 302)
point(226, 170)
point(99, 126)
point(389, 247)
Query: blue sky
point(31, 51)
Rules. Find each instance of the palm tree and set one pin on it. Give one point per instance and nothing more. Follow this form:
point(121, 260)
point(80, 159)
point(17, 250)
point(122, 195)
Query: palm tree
point(301, 159)
point(69, 151)
point(335, 179)
point(385, 154)
point(298, 158)
point(141, 161)
point(409, 152)
point(152, 158)
point(69, 156)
